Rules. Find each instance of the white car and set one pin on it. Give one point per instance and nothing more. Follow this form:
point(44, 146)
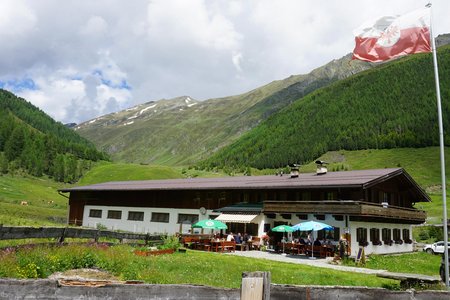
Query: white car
point(435, 248)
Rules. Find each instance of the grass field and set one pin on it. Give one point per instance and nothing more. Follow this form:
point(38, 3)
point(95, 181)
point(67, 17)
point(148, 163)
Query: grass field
point(192, 267)
point(44, 205)
point(417, 263)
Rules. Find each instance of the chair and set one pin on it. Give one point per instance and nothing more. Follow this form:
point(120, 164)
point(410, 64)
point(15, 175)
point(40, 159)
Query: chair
point(256, 243)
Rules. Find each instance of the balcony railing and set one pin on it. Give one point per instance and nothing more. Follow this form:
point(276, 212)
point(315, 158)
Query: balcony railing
point(345, 207)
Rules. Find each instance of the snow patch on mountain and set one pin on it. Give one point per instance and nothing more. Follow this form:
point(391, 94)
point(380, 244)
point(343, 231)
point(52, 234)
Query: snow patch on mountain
point(147, 108)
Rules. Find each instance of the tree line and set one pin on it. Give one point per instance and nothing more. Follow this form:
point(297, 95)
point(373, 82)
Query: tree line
point(390, 106)
point(32, 142)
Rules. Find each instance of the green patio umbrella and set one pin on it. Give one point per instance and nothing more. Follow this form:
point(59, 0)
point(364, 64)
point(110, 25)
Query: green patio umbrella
point(210, 224)
point(283, 228)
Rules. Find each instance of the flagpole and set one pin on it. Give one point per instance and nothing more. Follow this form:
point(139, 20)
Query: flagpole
point(441, 146)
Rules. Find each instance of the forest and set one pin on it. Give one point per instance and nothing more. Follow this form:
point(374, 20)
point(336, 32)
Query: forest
point(34, 143)
point(390, 106)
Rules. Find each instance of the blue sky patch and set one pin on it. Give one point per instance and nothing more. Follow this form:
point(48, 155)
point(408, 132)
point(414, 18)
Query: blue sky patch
point(19, 85)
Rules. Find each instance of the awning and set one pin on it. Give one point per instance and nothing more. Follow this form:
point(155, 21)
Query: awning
point(236, 218)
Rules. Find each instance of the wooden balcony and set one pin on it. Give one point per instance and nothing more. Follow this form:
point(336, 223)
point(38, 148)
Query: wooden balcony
point(357, 210)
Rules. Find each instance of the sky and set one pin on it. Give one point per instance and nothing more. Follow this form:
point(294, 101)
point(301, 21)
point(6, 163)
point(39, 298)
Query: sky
point(77, 60)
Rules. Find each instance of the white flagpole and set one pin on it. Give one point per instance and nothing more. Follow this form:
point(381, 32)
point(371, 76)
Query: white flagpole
point(441, 143)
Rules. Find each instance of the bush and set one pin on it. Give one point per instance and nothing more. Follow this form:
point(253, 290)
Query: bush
point(170, 242)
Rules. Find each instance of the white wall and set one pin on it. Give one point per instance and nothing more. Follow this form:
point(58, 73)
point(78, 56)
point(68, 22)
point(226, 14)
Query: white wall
point(145, 226)
point(383, 249)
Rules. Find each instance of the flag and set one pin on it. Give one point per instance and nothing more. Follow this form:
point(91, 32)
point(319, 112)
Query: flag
point(390, 37)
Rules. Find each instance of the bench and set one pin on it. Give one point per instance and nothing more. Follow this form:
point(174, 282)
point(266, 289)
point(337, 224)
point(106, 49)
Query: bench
point(320, 251)
point(408, 280)
point(189, 242)
point(228, 246)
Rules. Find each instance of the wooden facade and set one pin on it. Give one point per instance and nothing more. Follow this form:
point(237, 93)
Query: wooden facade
point(356, 203)
point(375, 195)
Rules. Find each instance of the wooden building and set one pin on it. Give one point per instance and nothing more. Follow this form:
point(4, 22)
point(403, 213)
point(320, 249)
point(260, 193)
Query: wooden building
point(371, 208)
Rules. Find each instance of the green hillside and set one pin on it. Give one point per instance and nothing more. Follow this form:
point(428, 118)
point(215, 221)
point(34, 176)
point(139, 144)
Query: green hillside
point(32, 142)
point(421, 163)
point(182, 131)
point(390, 106)
point(45, 206)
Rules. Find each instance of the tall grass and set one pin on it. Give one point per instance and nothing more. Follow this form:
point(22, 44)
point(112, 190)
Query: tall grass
point(192, 267)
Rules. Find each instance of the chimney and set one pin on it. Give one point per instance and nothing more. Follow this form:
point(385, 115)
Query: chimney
point(294, 170)
point(321, 168)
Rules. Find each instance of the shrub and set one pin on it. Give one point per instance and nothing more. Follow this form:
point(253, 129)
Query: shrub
point(170, 242)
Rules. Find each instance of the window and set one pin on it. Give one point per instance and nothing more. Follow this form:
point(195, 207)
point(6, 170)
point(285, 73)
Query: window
point(405, 235)
point(337, 233)
point(320, 217)
point(361, 236)
point(286, 216)
point(374, 235)
point(160, 217)
point(338, 217)
point(187, 218)
point(397, 237)
point(114, 214)
point(136, 216)
point(330, 196)
point(95, 213)
point(302, 216)
point(386, 235)
point(329, 234)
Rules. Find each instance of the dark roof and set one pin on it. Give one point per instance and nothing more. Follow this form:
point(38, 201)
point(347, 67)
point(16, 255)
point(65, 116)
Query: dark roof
point(358, 179)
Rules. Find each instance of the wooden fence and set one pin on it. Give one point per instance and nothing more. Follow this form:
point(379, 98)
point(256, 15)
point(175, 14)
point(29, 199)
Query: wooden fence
point(60, 233)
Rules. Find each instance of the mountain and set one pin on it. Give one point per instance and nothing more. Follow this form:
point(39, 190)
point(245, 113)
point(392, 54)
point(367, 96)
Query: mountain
point(182, 130)
point(32, 141)
point(390, 106)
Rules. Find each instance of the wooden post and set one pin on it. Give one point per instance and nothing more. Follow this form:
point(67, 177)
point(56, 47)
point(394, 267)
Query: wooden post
point(255, 286)
point(97, 233)
point(63, 236)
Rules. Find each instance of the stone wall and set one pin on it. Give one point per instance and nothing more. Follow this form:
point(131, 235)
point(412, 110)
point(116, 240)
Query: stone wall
point(50, 289)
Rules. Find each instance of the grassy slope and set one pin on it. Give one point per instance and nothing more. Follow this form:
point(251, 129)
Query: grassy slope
point(385, 107)
point(184, 136)
point(38, 192)
point(422, 164)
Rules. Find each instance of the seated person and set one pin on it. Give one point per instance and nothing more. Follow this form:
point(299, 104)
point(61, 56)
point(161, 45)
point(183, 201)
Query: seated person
point(230, 237)
point(317, 243)
point(238, 239)
point(302, 241)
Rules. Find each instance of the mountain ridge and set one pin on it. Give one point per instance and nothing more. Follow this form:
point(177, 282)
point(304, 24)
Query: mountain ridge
point(390, 106)
point(214, 122)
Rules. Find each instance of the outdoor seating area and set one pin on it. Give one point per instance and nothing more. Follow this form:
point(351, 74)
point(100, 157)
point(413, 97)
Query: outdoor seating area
point(220, 242)
point(294, 248)
point(216, 244)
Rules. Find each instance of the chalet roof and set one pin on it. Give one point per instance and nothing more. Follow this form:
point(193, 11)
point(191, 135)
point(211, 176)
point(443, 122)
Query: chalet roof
point(357, 179)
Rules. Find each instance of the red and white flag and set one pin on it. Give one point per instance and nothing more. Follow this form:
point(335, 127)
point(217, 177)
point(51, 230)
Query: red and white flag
point(390, 37)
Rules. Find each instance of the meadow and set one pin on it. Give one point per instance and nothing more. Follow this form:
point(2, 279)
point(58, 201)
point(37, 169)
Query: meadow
point(191, 267)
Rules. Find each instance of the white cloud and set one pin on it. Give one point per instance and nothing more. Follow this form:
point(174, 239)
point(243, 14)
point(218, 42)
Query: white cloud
point(76, 60)
point(237, 58)
point(95, 26)
point(16, 18)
